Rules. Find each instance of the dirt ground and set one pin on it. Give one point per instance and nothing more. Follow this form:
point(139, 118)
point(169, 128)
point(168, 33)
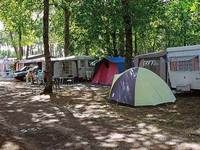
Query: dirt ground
point(80, 117)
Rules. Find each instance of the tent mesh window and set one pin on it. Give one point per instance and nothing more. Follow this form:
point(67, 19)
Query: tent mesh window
point(67, 67)
point(152, 64)
point(82, 63)
point(184, 63)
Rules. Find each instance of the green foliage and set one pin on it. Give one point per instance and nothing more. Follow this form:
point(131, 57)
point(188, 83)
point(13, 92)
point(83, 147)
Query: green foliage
point(97, 28)
point(175, 24)
point(20, 26)
point(7, 53)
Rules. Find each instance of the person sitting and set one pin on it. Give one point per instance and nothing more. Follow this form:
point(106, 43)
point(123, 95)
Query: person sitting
point(40, 77)
point(30, 77)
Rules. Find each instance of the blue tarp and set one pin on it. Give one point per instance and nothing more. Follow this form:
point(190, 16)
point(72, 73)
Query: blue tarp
point(120, 61)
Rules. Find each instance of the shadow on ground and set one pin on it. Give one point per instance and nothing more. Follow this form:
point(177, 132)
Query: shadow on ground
point(114, 126)
point(81, 118)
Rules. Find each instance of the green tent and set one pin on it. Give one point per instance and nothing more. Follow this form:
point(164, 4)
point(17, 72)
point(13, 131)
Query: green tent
point(140, 87)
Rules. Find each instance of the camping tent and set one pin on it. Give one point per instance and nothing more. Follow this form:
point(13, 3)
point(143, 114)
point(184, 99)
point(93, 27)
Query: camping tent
point(106, 69)
point(140, 87)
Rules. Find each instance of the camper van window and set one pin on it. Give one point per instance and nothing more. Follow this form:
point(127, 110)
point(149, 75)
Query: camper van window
point(92, 63)
point(82, 63)
point(67, 67)
point(184, 64)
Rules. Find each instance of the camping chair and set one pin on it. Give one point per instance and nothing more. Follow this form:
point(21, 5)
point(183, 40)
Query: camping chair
point(56, 83)
point(70, 79)
point(40, 77)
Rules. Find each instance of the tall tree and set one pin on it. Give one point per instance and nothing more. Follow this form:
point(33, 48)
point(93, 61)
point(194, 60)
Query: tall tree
point(98, 27)
point(48, 86)
point(17, 17)
point(64, 5)
point(66, 31)
point(128, 33)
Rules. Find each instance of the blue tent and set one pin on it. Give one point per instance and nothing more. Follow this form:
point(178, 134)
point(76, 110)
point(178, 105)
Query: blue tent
point(119, 61)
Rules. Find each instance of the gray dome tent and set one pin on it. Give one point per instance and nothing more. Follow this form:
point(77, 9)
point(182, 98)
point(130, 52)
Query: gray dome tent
point(140, 87)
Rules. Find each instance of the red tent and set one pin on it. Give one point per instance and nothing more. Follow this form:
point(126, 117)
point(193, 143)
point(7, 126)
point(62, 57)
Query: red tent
point(106, 69)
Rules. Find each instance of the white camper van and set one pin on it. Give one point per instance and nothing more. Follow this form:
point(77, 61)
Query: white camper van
point(73, 66)
point(184, 67)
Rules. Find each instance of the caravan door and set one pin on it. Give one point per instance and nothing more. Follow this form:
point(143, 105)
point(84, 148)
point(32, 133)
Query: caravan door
point(82, 69)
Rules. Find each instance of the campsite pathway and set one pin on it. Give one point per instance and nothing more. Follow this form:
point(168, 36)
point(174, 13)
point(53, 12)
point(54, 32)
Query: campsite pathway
point(81, 118)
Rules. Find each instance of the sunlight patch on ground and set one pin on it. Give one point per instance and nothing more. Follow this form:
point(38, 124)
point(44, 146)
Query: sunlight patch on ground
point(147, 129)
point(75, 87)
point(108, 145)
point(173, 142)
point(9, 146)
point(6, 83)
point(40, 98)
point(49, 121)
point(188, 146)
point(44, 118)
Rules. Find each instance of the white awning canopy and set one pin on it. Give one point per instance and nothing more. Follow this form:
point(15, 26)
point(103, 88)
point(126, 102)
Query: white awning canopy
point(42, 59)
point(185, 58)
point(32, 60)
point(72, 58)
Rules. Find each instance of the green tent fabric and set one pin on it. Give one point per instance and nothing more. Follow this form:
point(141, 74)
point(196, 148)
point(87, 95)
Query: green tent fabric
point(140, 87)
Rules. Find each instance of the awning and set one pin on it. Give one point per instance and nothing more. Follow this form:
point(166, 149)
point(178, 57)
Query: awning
point(185, 58)
point(32, 60)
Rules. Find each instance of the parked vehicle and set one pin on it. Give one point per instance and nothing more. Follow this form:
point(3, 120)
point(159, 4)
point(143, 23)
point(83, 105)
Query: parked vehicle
point(76, 67)
point(178, 66)
point(21, 74)
point(183, 67)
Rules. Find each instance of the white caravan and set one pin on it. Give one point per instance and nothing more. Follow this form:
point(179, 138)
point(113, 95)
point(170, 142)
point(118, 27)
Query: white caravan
point(184, 67)
point(75, 66)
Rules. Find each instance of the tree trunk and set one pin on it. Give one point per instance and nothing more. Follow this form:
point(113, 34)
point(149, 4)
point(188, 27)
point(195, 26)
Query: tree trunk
point(128, 34)
point(185, 36)
point(154, 44)
point(31, 50)
point(86, 49)
point(20, 43)
point(48, 86)
point(107, 41)
point(136, 46)
point(114, 43)
point(121, 43)
point(27, 51)
point(13, 44)
point(66, 31)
